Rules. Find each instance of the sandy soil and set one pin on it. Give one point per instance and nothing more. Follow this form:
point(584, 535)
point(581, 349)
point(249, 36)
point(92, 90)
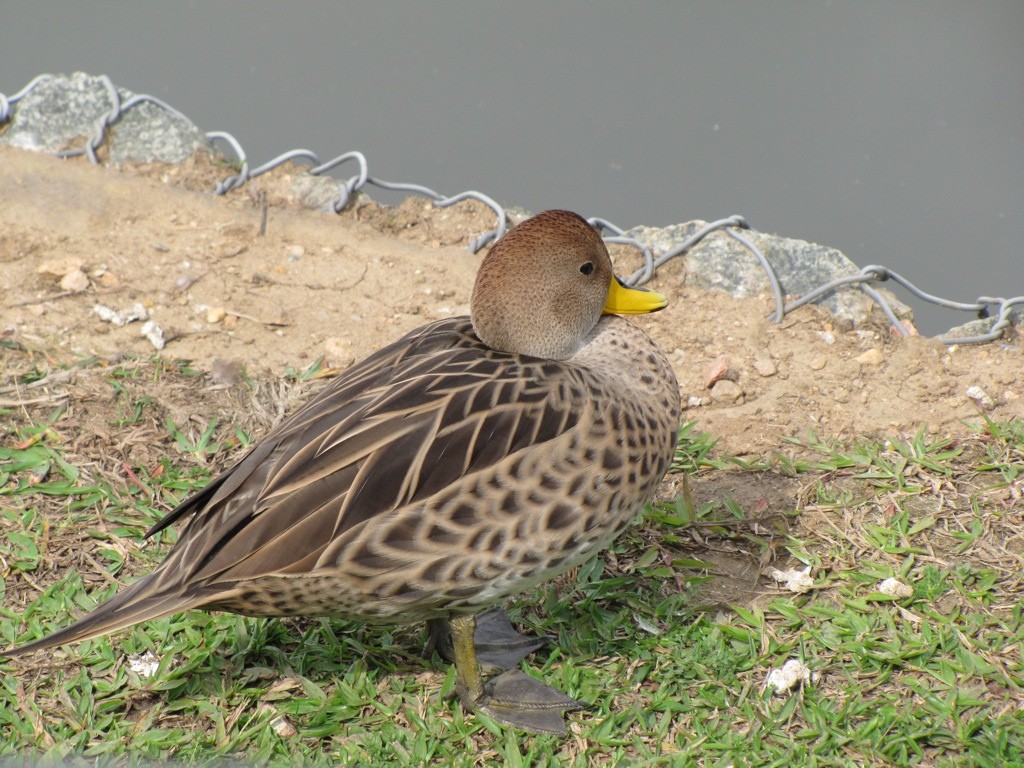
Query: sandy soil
point(233, 299)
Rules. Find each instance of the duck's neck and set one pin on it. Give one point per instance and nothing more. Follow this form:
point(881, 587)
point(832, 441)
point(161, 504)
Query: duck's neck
point(621, 352)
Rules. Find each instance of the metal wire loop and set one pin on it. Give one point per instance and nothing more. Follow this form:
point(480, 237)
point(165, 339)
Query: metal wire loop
point(865, 280)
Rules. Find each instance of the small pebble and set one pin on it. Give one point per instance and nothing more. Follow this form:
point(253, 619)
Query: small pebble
point(765, 367)
point(726, 391)
point(795, 580)
point(338, 350)
point(122, 318)
point(75, 281)
point(279, 723)
point(144, 665)
point(792, 674)
point(818, 363)
point(57, 268)
point(230, 249)
point(718, 370)
point(873, 356)
point(283, 727)
point(895, 588)
point(295, 252)
point(215, 314)
point(981, 397)
point(154, 333)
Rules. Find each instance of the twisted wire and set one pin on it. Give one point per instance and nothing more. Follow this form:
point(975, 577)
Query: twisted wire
point(865, 281)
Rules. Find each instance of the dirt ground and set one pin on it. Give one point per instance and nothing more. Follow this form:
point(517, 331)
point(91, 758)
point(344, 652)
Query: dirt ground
point(232, 299)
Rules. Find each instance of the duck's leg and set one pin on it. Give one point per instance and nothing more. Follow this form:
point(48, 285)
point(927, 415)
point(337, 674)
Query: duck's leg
point(498, 645)
point(512, 697)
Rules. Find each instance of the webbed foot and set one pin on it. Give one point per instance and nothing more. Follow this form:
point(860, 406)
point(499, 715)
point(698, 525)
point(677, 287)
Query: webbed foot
point(498, 645)
point(516, 699)
point(513, 697)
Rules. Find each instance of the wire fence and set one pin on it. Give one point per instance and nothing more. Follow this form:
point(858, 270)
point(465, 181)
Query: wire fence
point(866, 280)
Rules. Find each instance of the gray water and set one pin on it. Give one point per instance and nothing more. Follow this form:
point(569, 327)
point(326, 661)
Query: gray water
point(892, 131)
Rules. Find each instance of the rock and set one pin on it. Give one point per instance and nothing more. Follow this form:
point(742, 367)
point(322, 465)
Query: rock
point(908, 327)
point(144, 665)
point(279, 723)
point(215, 314)
point(338, 351)
point(873, 356)
point(62, 112)
point(725, 264)
point(130, 315)
point(74, 281)
point(981, 397)
point(717, 371)
point(58, 268)
point(725, 391)
point(796, 580)
point(316, 192)
point(792, 674)
point(154, 333)
point(283, 727)
point(819, 362)
point(230, 249)
point(765, 367)
point(895, 588)
point(983, 326)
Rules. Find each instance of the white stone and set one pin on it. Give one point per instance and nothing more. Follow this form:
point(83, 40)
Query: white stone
point(895, 588)
point(792, 674)
point(794, 580)
point(144, 665)
point(981, 397)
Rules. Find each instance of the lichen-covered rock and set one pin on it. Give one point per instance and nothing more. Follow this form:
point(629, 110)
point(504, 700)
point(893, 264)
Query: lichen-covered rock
point(983, 326)
point(62, 112)
point(723, 263)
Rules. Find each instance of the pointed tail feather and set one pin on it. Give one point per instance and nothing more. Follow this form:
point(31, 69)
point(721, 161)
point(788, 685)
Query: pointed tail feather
point(131, 605)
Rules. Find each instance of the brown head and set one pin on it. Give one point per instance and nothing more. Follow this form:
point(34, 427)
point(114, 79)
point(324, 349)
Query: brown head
point(544, 285)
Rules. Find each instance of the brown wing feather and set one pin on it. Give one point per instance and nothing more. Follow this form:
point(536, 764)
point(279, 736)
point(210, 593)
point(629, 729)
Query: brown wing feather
point(400, 427)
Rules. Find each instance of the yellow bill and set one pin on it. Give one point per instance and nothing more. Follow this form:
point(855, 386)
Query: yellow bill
point(623, 300)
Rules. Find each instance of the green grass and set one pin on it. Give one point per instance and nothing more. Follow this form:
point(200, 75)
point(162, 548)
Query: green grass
point(655, 635)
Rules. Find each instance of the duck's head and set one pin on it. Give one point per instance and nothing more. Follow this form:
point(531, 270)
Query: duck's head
point(546, 283)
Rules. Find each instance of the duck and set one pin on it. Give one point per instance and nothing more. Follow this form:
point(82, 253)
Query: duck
point(469, 461)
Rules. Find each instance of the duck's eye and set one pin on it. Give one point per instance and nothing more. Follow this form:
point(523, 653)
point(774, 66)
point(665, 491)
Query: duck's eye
point(587, 268)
